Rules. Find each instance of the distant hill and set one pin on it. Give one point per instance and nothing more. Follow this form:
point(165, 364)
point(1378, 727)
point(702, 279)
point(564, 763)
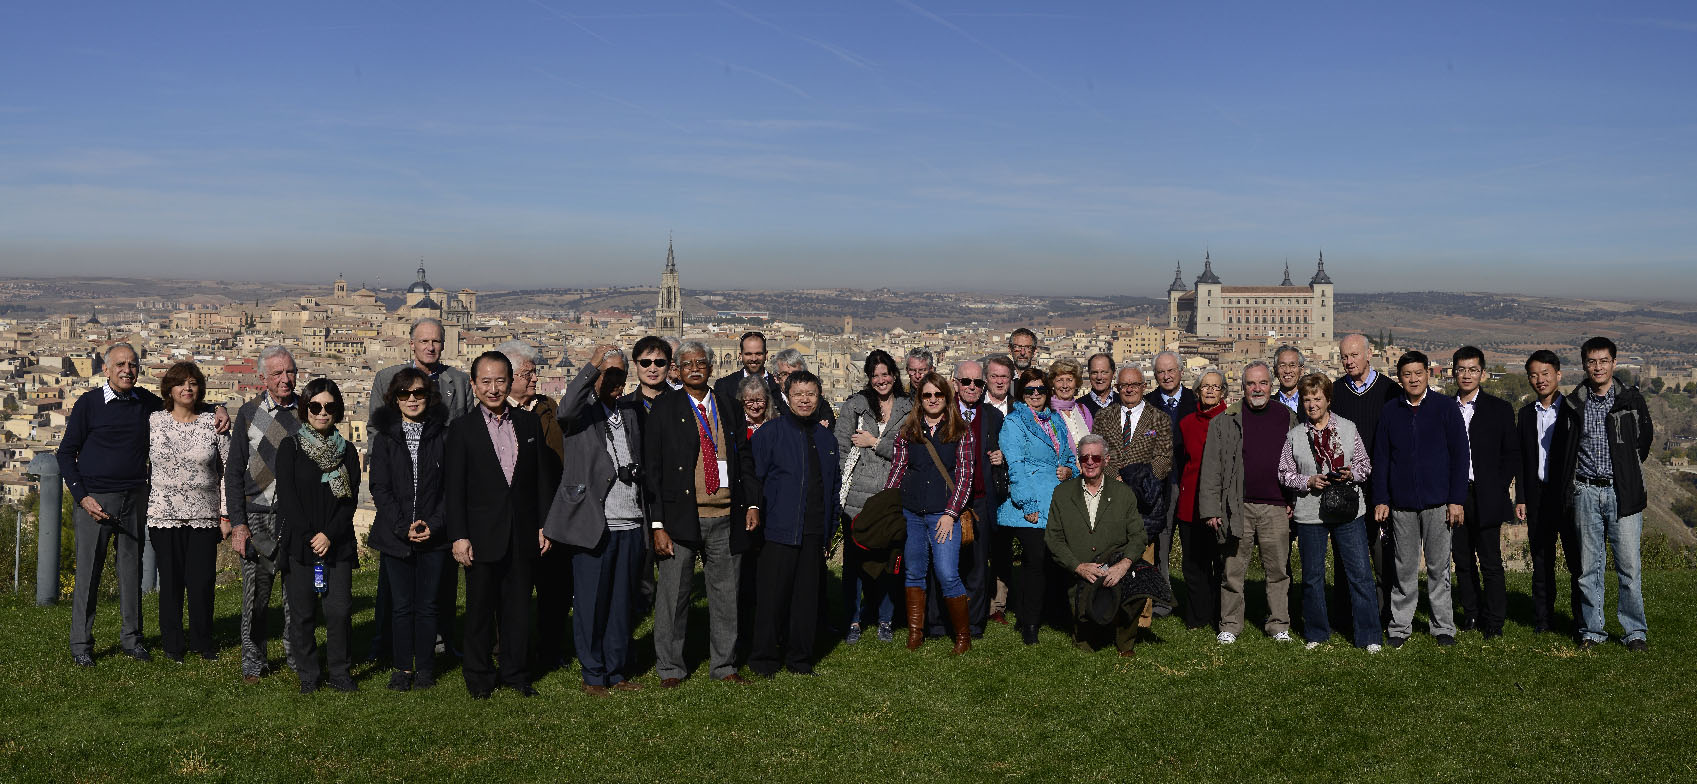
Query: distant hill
point(1515, 324)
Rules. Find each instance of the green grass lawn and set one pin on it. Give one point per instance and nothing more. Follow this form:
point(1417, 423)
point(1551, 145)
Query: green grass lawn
point(1522, 708)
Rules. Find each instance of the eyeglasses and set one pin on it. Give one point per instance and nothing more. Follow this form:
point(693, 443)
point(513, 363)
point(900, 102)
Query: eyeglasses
point(1132, 385)
point(662, 362)
point(1092, 459)
point(696, 363)
point(526, 374)
point(970, 382)
point(316, 408)
point(1029, 391)
point(930, 396)
point(1214, 387)
point(755, 401)
point(406, 394)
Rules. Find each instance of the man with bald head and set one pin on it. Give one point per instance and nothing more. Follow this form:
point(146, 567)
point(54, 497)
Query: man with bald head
point(1359, 395)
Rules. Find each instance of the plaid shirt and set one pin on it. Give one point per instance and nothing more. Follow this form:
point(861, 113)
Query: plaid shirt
point(1594, 458)
point(965, 449)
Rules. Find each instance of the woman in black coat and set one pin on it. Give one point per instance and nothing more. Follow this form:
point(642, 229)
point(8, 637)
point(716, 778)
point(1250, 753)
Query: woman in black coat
point(317, 489)
point(406, 487)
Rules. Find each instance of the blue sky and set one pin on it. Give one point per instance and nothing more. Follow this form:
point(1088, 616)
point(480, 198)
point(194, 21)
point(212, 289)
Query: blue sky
point(1054, 147)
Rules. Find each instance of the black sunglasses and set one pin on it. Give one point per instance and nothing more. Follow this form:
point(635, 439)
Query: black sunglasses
point(654, 362)
point(930, 395)
point(970, 382)
point(1029, 391)
point(405, 394)
point(316, 407)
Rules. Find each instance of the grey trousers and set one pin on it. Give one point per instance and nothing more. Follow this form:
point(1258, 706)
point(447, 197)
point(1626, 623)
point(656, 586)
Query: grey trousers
point(672, 601)
point(128, 511)
point(1164, 547)
point(1268, 526)
point(1417, 530)
point(259, 574)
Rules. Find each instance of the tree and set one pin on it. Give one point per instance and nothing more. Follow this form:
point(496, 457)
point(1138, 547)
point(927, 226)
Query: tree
point(1656, 385)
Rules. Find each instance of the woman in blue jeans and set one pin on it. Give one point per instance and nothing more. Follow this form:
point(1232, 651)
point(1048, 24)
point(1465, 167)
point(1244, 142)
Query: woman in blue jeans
point(1324, 450)
point(934, 491)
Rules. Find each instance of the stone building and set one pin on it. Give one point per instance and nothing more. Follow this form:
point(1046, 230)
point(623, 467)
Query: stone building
point(1214, 310)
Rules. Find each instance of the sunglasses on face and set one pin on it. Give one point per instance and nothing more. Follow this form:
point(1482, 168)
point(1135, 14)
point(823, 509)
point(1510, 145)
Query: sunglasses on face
point(970, 382)
point(1091, 459)
point(930, 396)
point(654, 362)
point(1029, 391)
point(315, 408)
point(407, 394)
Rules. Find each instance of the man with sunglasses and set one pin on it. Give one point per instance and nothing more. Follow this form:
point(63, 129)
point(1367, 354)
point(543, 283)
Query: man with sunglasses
point(986, 424)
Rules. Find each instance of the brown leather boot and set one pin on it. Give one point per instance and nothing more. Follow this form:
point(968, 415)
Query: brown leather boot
point(915, 618)
point(957, 618)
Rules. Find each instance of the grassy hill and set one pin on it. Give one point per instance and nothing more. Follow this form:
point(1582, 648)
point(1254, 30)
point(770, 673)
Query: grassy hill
point(1522, 708)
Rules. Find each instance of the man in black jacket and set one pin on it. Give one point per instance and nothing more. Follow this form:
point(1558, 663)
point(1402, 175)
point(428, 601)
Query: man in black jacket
point(1359, 395)
point(1179, 401)
point(753, 345)
point(693, 444)
point(1494, 459)
point(1539, 498)
point(495, 497)
point(1605, 436)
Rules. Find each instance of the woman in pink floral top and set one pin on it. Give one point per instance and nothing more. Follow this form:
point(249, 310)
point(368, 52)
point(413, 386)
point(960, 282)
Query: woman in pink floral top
point(185, 505)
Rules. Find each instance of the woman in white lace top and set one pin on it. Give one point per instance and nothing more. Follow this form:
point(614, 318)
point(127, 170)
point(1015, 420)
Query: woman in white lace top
point(185, 507)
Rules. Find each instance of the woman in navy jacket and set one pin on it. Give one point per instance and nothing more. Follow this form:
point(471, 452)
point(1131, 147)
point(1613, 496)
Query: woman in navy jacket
point(406, 487)
point(1039, 454)
point(794, 463)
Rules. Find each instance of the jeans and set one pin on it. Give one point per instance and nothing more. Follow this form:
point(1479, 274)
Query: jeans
point(1355, 571)
point(413, 582)
point(923, 552)
point(858, 588)
point(1595, 514)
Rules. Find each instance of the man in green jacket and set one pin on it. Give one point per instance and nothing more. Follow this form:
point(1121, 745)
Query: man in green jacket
point(1096, 532)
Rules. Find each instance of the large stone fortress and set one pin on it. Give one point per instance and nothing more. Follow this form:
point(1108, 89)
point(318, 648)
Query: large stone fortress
point(1214, 310)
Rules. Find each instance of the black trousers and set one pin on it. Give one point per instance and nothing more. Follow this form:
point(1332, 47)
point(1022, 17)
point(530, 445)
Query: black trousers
point(1030, 578)
point(188, 562)
point(382, 621)
point(413, 582)
point(554, 593)
point(1547, 524)
point(497, 595)
point(1204, 569)
point(304, 604)
point(1477, 548)
point(448, 601)
point(788, 606)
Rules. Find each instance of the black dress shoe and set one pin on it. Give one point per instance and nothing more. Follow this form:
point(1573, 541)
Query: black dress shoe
point(139, 654)
point(1446, 640)
point(1028, 634)
point(400, 680)
point(308, 688)
point(344, 685)
point(423, 680)
point(1467, 624)
point(175, 657)
point(1398, 642)
point(526, 690)
point(1638, 645)
point(82, 660)
point(480, 695)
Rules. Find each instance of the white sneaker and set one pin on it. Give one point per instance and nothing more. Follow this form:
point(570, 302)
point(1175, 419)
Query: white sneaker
point(1226, 638)
point(1374, 647)
point(1282, 637)
point(1311, 646)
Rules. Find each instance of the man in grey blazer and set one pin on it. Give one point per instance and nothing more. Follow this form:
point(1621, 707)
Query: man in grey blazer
point(600, 514)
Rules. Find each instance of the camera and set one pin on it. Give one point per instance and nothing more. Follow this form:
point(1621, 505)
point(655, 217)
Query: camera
point(1334, 476)
point(630, 473)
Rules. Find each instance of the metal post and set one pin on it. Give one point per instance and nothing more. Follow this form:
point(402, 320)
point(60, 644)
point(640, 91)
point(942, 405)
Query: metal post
point(46, 468)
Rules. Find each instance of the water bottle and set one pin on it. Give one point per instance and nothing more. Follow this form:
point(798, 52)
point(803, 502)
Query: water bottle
point(318, 583)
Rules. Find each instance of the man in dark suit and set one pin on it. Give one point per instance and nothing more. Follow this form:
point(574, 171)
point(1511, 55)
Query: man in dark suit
point(1360, 395)
point(693, 444)
point(1178, 401)
point(599, 516)
point(753, 364)
point(496, 495)
point(1494, 453)
point(1538, 497)
point(1101, 393)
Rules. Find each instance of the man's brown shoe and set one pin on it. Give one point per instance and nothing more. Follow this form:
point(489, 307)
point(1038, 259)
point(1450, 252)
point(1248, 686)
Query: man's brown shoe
point(251, 680)
point(671, 683)
point(596, 691)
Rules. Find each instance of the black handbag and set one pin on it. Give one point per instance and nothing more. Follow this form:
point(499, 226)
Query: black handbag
point(1339, 502)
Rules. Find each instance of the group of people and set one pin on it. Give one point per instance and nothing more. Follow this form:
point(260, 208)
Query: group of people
point(1051, 495)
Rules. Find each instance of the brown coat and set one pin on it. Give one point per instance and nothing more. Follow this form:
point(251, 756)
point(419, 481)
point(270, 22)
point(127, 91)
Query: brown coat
point(1155, 449)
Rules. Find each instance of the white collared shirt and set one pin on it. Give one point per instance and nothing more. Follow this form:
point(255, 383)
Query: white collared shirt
point(1002, 406)
point(1467, 424)
point(1546, 433)
point(111, 394)
point(1092, 501)
point(1129, 418)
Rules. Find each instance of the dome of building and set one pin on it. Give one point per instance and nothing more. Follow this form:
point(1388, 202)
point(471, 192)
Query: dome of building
point(420, 286)
point(426, 304)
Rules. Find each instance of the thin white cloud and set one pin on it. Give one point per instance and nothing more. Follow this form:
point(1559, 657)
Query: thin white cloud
point(836, 51)
point(571, 20)
point(762, 75)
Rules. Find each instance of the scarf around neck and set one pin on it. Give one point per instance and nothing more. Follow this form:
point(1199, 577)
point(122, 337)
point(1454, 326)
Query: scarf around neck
point(328, 453)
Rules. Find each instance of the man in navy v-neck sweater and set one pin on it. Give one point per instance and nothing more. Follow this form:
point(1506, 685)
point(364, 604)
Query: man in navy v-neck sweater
point(103, 458)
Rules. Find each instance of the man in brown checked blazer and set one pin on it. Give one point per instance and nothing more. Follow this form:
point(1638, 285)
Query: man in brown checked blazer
point(1137, 433)
point(1149, 439)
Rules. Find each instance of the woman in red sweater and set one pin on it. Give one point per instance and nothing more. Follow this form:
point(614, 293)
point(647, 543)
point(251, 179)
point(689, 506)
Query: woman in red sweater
point(1203, 561)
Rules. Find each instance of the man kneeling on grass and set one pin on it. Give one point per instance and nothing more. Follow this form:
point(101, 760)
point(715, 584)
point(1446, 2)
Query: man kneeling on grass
point(1096, 532)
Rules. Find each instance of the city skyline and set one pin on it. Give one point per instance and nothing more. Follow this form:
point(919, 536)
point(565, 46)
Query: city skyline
point(1542, 149)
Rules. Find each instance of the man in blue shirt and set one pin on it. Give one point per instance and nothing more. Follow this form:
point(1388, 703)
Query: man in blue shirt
point(1420, 460)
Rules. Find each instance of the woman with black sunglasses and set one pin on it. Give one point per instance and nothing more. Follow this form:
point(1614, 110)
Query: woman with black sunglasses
point(933, 469)
point(406, 487)
point(1039, 452)
point(317, 488)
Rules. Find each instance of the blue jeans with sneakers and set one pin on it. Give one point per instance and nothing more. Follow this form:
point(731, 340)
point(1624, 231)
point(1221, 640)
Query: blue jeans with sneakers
point(1596, 517)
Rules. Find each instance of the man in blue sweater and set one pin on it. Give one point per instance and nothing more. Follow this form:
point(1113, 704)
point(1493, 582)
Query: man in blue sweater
point(1420, 459)
point(103, 458)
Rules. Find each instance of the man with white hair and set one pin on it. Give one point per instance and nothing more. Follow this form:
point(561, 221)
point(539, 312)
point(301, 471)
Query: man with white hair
point(453, 386)
point(783, 364)
point(1178, 401)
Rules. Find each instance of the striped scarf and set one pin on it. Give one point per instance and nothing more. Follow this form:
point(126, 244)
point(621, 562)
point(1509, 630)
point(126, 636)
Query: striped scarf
point(328, 453)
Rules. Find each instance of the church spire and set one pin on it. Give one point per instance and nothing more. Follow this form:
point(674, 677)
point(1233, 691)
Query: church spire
point(1178, 278)
point(671, 261)
point(1208, 275)
point(1287, 274)
point(1320, 275)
